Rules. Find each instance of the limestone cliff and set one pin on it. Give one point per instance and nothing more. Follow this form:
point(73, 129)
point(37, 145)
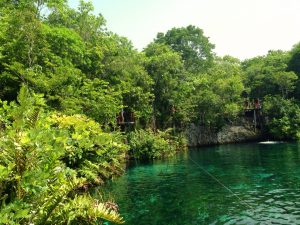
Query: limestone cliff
point(234, 133)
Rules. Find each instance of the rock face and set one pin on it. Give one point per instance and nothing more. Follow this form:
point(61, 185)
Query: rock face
point(235, 134)
point(203, 136)
point(200, 135)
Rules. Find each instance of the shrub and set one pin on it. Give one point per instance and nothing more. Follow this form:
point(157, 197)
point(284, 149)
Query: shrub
point(284, 117)
point(145, 144)
point(94, 154)
point(36, 186)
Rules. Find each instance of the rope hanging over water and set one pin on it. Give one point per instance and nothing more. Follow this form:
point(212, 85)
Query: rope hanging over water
point(219, 182)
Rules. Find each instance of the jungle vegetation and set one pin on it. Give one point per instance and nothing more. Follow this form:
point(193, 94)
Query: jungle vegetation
point(64, 78)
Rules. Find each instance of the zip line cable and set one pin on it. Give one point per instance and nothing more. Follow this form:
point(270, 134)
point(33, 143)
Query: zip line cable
point(219, 182)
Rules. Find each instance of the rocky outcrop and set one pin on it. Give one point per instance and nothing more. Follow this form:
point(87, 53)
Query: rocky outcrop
point(203, 136)
point(200, 135)
point(235, 134)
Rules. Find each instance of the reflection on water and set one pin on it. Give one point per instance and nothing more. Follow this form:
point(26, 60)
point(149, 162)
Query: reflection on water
point(177, 191)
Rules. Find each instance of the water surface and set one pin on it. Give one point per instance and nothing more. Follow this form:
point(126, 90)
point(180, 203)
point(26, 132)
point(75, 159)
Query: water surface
point(265, 180)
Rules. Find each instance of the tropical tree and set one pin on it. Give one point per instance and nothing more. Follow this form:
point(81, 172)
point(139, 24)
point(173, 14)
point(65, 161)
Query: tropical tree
point(124, 69)
point(269, 75)
point(283, 117)
point(217, 93)
point(171, 85)
point(294, 66)
point(190, 42)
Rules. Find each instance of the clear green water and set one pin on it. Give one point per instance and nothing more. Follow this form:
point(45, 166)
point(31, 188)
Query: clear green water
point(177, 191)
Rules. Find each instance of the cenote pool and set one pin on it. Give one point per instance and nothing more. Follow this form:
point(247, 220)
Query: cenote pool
point(266, 177)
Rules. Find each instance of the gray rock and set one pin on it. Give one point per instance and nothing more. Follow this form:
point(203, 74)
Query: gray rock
point(201, 135)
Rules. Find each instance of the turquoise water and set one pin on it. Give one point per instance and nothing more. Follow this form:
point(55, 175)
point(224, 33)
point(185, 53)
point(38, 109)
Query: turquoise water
point(265, 180)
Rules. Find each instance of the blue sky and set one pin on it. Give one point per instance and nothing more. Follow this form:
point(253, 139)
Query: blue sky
point(241, 28)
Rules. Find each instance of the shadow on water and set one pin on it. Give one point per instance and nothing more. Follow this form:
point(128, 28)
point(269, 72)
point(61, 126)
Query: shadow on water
point(266, 179)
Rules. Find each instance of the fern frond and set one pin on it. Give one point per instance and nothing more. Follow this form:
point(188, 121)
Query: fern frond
point(108, 214)
point(33, 118)
point(83, 207)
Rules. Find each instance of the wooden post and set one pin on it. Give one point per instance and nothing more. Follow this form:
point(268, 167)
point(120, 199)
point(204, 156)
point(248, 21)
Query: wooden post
point(254, 116)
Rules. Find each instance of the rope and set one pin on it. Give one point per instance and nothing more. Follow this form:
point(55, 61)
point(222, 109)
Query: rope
point(219, 182)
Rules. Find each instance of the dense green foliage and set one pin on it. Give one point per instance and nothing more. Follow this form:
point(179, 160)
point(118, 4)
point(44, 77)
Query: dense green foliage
point(45, 160)
point(145, 144)
point(274, 78)
point(74, 77)
point(284, 116)
point(268, 75)
point(218, 92)
point(191, 44)
point(294, 66)
point(94, 154)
